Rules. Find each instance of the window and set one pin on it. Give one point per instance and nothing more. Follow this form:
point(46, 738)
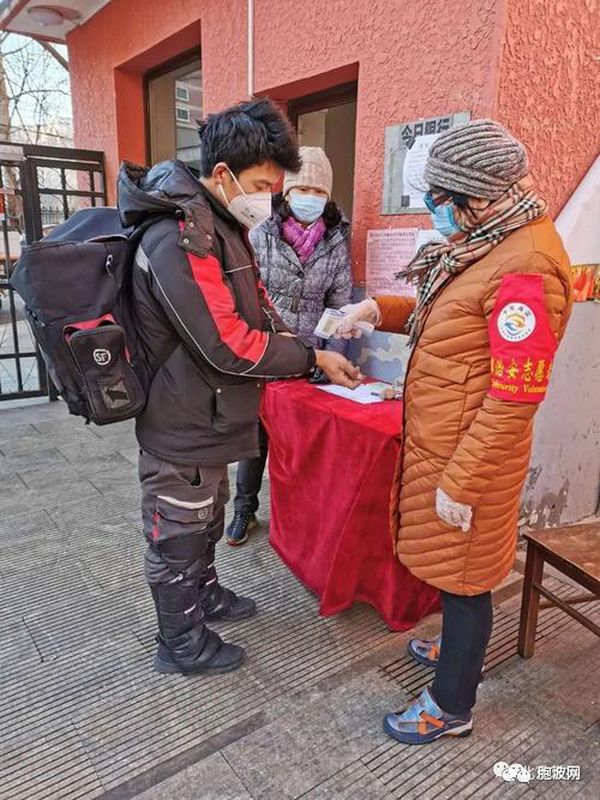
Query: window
point(182, 93)
point(173, 105)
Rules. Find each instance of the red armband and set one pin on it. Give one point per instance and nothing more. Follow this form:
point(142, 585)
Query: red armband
point(522, 342)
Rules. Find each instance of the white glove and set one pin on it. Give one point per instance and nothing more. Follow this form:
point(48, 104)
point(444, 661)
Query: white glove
point(456, 514)
point(365, 311)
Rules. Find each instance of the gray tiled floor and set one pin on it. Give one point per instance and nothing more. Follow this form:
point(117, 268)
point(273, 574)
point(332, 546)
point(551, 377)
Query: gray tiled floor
point(83, 715)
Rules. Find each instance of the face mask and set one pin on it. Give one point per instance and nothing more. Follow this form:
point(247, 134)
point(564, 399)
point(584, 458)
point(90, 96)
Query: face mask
point(306, 207)
point(443, 220)
point(250, 210)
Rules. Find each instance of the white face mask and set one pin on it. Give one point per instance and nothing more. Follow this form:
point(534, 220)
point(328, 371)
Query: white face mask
point(250, 210)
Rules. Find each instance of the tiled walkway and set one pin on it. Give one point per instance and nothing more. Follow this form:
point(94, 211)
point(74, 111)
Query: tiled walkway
point(82, 714)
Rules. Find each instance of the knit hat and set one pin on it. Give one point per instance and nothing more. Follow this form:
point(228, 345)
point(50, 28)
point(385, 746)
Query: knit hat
point(479, 159)
point(315, 172)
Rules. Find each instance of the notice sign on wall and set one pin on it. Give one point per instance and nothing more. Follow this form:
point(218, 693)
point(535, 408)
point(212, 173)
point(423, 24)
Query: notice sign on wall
point(406, 149)
point(388, 251)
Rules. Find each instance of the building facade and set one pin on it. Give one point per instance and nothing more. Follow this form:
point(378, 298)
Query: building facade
point(367, 80)
point(344, 71)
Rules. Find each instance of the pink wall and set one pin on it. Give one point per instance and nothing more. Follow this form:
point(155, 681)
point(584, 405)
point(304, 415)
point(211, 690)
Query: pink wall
point(399, 77)
point(413, 59)
point(549, 89)
point(110, 54)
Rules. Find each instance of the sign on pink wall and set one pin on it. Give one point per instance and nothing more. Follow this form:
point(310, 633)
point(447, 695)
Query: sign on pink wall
point(388, 251)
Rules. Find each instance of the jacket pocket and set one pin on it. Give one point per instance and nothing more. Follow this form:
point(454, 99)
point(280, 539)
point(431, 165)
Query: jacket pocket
point(445, 369)
point(435, 404)
point(174, 517)
point(110, 386)
point(236, 406)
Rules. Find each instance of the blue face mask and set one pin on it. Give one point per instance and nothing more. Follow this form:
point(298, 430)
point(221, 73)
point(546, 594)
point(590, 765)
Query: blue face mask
point(442, 216)
point(443, 220)
point(306, 207)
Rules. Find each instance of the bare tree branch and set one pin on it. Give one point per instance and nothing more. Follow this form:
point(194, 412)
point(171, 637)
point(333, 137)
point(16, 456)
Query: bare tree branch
point(32, 88)
point(55, 54)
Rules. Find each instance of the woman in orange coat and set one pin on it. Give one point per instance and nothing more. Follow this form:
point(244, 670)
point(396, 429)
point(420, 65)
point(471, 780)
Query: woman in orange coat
point(492, 304)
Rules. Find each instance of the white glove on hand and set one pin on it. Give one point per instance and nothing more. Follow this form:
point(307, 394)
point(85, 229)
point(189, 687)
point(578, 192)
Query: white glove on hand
point(456, 514)
point(365, 311)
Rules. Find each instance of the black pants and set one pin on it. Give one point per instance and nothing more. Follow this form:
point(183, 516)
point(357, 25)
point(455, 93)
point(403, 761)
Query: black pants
point(249, 477)
point(183, 509)
point(466, 629)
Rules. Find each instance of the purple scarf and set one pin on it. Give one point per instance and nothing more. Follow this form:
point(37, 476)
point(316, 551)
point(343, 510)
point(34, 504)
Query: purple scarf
point(303, 240)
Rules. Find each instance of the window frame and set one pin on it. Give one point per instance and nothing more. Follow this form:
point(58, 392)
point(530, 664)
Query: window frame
point(185, 110)
point(188, 58)
point(336, 96)
point(185, 98)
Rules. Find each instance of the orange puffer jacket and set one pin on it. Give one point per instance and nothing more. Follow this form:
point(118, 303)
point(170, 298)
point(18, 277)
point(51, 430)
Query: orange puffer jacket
point(468, 407)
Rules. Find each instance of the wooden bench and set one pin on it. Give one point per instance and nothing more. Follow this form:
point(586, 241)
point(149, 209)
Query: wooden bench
point(572, 550)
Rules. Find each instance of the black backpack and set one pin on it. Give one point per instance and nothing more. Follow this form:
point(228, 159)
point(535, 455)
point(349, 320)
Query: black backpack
point(76, 285)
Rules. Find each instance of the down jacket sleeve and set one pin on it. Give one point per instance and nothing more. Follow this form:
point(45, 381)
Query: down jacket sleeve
point(395, 312)
point(500, 424)
point(201, 306)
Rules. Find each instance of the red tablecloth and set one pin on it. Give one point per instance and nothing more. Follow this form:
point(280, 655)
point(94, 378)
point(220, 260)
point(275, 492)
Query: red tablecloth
point(331, 464)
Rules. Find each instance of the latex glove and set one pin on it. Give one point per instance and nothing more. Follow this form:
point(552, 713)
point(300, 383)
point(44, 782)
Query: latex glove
point(365, 311)
point(338, 369)
point(456, 514)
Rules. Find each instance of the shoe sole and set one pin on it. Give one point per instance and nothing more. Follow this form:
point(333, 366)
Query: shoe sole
point(237, 542)
point(166, 668)
point(460, 732)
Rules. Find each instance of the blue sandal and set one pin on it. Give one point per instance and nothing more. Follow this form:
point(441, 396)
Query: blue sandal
point(423, 721)
point(425, 651)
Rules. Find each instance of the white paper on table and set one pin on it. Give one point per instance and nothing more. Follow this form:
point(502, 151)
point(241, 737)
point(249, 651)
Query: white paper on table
point(362, 394)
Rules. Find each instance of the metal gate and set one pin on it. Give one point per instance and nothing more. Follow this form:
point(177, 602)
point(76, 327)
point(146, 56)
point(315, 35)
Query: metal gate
point(40, 187)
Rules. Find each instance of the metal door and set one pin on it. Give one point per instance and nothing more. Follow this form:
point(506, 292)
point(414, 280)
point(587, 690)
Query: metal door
point(40, 187)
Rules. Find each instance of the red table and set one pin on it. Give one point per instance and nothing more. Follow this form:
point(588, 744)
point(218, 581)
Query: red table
point(331, 463)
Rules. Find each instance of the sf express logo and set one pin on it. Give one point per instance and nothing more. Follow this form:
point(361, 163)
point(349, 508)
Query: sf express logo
point(102, 357)
point(516, 322)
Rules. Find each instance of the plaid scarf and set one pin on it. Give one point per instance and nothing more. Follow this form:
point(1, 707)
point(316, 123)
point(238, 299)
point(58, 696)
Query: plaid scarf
point(438, 263)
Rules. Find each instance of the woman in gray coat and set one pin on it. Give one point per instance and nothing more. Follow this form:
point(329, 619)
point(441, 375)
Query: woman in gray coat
point(302, 253)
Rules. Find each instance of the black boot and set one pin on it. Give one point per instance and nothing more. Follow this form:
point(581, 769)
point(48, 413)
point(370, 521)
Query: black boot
point(185, 644)
point(220, 603)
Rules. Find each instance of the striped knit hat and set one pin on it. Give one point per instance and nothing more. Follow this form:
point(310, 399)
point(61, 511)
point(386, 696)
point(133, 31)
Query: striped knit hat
point(479, 159)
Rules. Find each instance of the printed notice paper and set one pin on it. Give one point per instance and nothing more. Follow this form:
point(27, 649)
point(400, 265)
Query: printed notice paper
point(388, 251)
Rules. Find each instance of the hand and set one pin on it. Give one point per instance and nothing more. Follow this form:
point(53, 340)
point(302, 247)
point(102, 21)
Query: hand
point(367, 311)
point(338, 369)
point(456, 514)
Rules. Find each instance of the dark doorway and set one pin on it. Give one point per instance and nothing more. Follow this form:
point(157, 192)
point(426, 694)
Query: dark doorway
point(328, 120)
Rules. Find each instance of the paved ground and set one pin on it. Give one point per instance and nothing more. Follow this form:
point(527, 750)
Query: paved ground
point(82, 715)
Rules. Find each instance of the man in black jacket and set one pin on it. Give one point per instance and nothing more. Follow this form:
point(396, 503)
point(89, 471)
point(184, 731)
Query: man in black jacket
point(210, 337)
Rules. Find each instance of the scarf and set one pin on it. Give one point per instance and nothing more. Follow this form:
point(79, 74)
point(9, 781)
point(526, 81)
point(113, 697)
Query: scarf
point(303, 240)
point(438, 263)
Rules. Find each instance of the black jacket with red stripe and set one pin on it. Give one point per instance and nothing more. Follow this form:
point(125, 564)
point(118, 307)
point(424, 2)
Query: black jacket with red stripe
point(205, 325)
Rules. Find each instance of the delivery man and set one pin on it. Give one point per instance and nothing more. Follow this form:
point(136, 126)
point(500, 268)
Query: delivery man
point(208, 327)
